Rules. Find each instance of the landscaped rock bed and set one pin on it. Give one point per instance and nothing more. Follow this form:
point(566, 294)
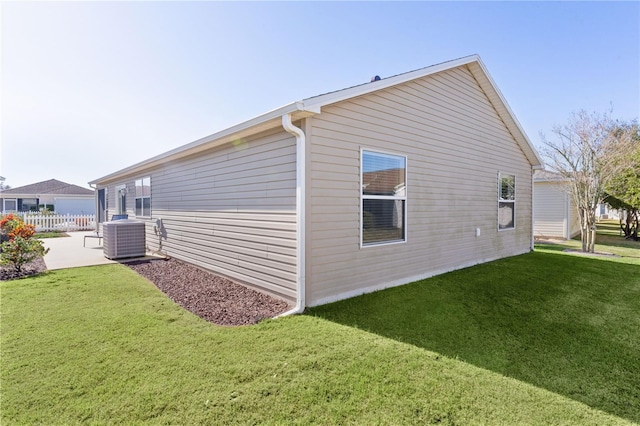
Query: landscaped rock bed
point(210, 296)
point(34, 267)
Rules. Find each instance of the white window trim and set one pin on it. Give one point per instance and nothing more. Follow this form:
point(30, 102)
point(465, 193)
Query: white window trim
point(500, 200)
point(371, 197)
point(135, 198)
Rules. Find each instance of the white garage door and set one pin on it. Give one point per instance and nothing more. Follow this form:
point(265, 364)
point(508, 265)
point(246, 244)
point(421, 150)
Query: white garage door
point(75, 206)
point(549, 211)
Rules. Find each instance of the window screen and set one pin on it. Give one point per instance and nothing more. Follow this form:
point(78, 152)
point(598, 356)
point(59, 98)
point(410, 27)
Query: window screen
point(384, 198)
point(143, 197)
point(506, 201)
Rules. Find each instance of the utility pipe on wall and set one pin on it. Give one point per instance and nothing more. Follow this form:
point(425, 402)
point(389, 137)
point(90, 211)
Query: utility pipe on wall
point(533, 203)
point(300, 213)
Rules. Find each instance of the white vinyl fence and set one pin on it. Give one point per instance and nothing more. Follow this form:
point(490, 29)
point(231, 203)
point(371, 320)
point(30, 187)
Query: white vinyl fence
point(57, 222)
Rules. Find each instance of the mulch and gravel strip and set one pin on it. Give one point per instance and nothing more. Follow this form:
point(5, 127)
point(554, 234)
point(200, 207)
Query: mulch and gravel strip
point(34, 267)
point(214, 298)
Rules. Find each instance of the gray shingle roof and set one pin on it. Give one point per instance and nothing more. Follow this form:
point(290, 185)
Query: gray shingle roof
point(547, 176)
point(51, 186)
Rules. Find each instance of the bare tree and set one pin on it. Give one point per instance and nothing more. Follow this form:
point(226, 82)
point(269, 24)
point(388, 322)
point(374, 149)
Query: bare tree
point(586, 151)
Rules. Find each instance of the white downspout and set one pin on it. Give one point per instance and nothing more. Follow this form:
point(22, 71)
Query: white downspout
point(300, 213)
point(96, 205)
point(533, 206)
point(567, 230)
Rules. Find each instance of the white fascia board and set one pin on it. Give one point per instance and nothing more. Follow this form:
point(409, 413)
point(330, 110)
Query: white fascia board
point(549, 176)
point(544, 180)
point(260, 123)
point(72, 196)
point(44, 194)
point(20, 195)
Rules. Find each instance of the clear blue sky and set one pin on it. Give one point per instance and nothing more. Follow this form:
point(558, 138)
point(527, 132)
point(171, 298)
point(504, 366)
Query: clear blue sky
point(89, 88)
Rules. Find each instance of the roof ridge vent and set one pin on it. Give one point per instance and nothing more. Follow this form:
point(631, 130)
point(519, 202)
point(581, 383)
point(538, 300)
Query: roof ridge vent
point(375, 78)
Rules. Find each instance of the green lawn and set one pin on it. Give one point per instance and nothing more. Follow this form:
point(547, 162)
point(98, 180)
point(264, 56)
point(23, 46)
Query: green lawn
point(535, 339)
point(608, 240)
point(51, 234)
point(563, 323)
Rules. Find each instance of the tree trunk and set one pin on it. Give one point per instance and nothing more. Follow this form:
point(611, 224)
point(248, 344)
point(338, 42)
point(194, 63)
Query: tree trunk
point(635, 221)
point(623, 226)
point(592, 229)
point(588, 230)
point(584, 229)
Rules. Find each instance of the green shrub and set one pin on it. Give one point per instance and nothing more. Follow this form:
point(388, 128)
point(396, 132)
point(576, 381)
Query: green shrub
point(46, 209)
point(17, 245)
point(19, 251)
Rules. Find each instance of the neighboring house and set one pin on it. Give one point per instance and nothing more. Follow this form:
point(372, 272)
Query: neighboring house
point(348, 192)
point(61, 197)
point(554, 212)
point(604, 211)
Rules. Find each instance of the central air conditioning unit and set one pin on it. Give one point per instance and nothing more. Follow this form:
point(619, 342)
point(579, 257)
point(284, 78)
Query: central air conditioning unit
point(123, 238)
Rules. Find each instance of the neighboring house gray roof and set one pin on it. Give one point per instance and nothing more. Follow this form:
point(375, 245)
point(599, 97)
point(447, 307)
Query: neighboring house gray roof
point(382, 182)
point(49, 187)
point(311, 106)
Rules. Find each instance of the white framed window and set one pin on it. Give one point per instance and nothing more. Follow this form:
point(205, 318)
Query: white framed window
point(28, 205)
point(506, 201)
point(143, 197)
point(10, 205)
point(383, 204)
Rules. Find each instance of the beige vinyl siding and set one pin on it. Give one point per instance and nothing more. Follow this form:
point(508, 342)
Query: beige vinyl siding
point(455, 145)
point(553, 209)
point(231, 210)
point(111, 197)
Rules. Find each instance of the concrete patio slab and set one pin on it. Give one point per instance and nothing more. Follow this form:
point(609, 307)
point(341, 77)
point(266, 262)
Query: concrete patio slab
point(69, 252)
